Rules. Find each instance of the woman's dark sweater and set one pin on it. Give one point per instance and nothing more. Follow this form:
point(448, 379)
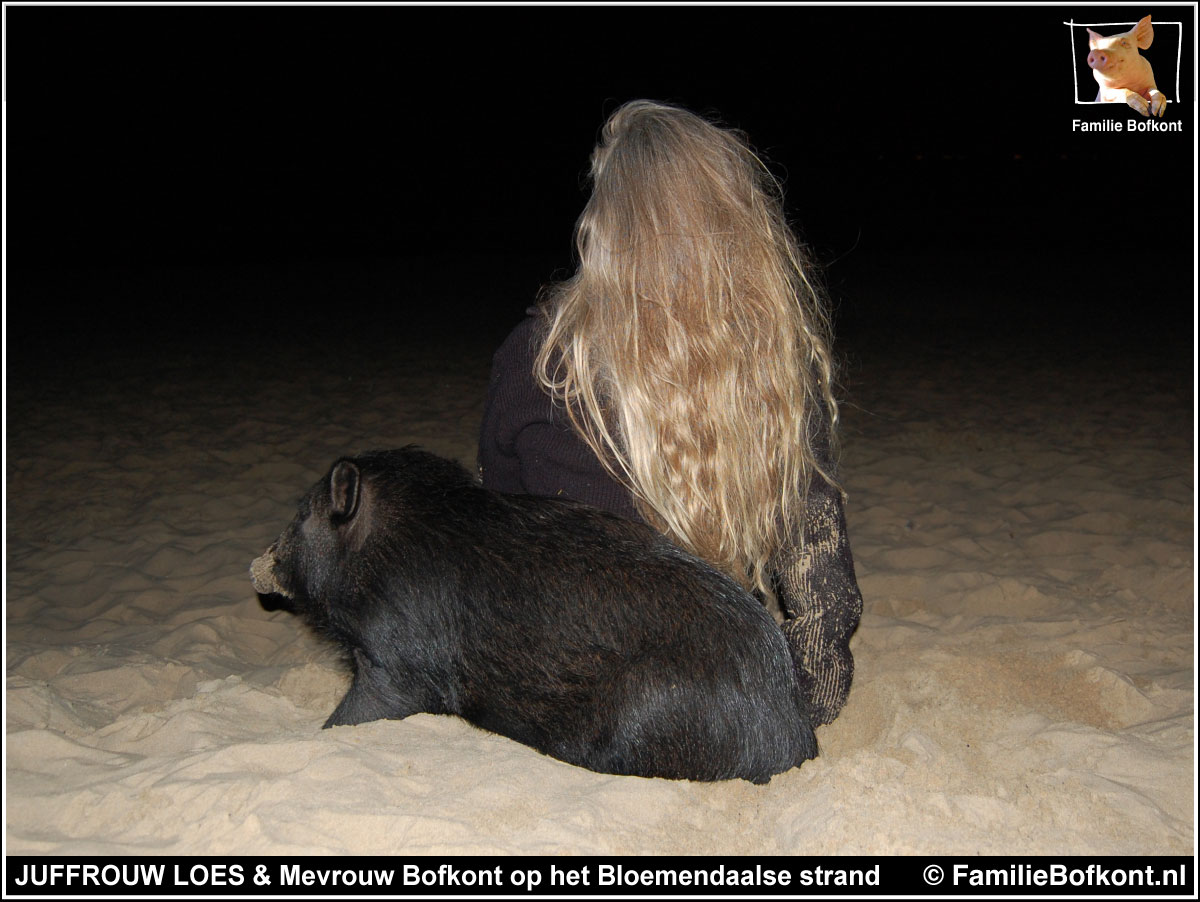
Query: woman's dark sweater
point(527, 444)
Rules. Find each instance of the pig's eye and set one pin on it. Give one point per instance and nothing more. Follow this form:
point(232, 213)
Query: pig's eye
point(1124, 43)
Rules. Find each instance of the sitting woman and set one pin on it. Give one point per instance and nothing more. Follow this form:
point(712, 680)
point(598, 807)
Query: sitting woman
point(683, 377)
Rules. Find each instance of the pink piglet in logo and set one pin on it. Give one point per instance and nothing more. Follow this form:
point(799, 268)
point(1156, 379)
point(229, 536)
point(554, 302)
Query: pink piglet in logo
point(1124, 74)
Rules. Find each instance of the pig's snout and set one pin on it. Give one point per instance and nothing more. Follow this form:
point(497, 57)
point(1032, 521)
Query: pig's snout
point(262, 574)
point(1097, 59)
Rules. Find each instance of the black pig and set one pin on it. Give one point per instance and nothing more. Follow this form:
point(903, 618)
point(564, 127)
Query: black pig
point(586, 636)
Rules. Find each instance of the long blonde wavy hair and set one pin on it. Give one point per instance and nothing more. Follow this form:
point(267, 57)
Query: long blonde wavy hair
point(690, 348)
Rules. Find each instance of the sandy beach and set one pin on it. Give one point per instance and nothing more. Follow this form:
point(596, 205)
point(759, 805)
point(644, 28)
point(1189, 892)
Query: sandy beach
point(1022, 523)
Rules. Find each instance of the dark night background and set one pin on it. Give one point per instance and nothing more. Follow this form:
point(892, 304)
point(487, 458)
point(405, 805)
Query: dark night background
point(219, 176)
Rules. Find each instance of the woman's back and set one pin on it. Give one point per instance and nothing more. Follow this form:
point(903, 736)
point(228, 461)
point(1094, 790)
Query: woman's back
point(685, 374)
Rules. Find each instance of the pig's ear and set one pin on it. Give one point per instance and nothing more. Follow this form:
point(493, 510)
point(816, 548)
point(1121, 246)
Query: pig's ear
point(1093, 37)
point(1143, 33)
point(344, 487)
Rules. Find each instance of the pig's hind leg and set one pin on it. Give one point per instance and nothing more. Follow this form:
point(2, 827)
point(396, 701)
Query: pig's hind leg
point(669, 716)
point(372, 696)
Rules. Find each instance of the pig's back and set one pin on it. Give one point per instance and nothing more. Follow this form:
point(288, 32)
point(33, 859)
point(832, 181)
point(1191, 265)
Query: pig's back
point(620, 652)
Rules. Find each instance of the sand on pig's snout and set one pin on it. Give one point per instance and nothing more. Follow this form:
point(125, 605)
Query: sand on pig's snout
point(1023, 536)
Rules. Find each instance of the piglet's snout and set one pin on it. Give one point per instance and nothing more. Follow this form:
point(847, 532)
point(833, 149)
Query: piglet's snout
point(1097, 60)
point(262, 574)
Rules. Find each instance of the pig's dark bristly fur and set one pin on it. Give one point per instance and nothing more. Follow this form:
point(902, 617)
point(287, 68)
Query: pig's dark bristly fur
point(583, 635)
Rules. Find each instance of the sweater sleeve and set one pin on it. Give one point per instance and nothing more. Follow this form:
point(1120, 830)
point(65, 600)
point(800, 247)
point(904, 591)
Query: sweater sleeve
point(819, 593)
point(527, 444)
